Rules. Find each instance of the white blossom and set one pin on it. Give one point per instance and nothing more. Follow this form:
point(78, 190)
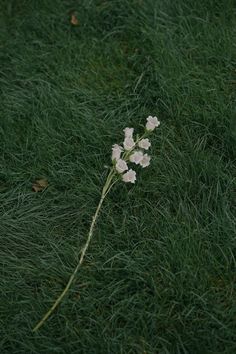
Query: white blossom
point(128, 143)
point(116, 152)
point(144, 144)
point(136, 157)
point(152, 123)
point(145, 162)
point(129, 176)
point(129, 132)
point(121, 166)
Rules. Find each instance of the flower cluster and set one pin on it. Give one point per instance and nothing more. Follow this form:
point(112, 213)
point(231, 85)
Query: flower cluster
point(133, 151)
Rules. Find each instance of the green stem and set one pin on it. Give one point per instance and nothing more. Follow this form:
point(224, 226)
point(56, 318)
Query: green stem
point(105, 190)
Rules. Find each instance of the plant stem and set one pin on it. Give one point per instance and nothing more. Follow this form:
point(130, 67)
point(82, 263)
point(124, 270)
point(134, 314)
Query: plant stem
point(105, 190)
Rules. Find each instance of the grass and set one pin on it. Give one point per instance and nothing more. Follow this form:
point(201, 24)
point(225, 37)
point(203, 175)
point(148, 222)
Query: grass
point(159, 276)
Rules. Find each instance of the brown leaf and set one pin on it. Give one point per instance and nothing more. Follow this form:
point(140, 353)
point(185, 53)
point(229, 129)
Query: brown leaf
point(74, 20)
point(39, 185)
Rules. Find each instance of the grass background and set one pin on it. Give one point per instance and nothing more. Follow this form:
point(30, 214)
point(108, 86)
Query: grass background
point(160, 273)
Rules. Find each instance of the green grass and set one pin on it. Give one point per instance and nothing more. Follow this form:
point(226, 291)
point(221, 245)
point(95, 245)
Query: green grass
point(159, 276)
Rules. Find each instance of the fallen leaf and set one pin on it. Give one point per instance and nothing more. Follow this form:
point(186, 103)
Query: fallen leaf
point(74, 20)
point(39, 185)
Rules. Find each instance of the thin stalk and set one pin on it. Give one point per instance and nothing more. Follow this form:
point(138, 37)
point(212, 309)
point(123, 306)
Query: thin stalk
point(105, 190)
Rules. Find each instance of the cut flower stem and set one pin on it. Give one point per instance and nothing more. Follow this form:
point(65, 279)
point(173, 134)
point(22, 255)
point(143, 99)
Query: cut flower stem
point(121, 157)
point(107, 187)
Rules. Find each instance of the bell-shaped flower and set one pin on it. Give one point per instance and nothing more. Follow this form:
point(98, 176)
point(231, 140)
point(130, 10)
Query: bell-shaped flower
point(121, 166)
point(116, 152)
point(128, 143)
point(129, 132)
point(152, 123)
point(145, 162)
point(144, 144)
point(129, 176)
point(136, 157)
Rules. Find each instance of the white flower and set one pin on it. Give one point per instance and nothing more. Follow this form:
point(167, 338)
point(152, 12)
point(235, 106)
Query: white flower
point(129, 176)
point(136, 157)
point(152, 123)
point(128, 143)
point(121, 166)
point(116, 152)
point(145, 162)
point(144, 144)
point(129, 132)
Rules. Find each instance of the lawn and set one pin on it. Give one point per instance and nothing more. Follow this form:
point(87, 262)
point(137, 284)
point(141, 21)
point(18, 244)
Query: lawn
point(159, 276)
